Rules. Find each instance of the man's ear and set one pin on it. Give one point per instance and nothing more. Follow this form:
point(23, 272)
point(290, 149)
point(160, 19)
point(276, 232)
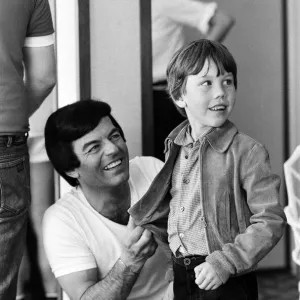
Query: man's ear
point(180, 103)
point(73, 174)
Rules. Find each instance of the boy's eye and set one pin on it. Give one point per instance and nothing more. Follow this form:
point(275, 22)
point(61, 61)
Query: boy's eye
point(228, 82)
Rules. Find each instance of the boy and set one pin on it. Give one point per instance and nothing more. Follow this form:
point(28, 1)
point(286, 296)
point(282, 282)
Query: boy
point(215, 201)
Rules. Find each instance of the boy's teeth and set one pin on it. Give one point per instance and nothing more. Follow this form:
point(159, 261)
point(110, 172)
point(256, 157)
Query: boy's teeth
point(112, 165)
point(218, 107)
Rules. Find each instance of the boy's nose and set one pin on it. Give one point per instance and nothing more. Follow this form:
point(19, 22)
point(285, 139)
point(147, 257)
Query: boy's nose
point(219, 91)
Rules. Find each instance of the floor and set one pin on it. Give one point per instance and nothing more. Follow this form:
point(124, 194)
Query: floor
point(279, 285)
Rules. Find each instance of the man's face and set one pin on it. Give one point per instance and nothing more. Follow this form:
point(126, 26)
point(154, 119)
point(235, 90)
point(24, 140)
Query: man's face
point(209, 99)
point(103, 157)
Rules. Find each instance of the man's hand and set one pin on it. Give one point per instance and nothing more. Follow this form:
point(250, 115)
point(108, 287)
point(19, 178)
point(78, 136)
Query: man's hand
point(206, 277)
point(138, 247)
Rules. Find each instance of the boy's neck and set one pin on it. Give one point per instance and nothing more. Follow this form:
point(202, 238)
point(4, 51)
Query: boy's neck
point(198, 131)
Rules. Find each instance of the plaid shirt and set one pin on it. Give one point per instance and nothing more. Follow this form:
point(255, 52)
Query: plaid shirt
point(186, 222)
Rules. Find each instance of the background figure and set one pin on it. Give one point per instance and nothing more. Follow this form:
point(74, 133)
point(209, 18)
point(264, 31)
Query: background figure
point(27, 65)
point(169, 19)
point(35, 276)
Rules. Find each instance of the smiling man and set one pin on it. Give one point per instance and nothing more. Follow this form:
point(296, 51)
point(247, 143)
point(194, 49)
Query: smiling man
point(93, 247)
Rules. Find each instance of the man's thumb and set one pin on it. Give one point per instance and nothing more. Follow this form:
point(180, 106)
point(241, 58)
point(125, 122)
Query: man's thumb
point(131, 224)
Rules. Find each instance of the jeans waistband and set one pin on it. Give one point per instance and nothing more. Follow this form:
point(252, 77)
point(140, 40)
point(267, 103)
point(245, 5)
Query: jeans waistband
point(190, 261)
point(13, 139)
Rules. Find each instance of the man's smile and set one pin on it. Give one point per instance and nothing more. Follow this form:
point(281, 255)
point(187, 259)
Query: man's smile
point(113, 165)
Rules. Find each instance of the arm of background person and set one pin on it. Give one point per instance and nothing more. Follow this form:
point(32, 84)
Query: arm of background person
point(220, 25)
point(39, 74)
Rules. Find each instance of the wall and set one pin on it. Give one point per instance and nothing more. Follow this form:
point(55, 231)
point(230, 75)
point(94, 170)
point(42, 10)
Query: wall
point(293, 12)
point(256, 43)
point(116, 65)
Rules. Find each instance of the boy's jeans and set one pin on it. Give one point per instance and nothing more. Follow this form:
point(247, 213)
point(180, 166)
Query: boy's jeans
point(14, 203)
point(242, 287)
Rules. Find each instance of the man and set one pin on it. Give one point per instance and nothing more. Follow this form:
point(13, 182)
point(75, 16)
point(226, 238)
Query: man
point(93, 248)
point(26, 50)
point(169, 21)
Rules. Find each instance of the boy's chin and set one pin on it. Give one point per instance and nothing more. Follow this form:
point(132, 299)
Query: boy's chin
point(218, 123)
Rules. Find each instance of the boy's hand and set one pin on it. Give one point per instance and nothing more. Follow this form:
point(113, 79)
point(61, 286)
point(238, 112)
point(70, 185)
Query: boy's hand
point(206, 277)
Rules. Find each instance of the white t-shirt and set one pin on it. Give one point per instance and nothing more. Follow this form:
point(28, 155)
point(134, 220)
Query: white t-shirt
point(168, 20)
point(77, 237)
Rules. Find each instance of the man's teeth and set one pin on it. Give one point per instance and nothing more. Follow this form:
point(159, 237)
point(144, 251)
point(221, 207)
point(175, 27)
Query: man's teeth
point(218, 107)
point(112, 165)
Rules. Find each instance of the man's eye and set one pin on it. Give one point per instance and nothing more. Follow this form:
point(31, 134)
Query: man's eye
point(93, 149)
point(115, 136)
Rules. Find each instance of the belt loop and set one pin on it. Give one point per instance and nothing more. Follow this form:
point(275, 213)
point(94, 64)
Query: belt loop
point(9, 142)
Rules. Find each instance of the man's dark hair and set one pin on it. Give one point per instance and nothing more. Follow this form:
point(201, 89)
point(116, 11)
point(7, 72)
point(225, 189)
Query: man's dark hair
point(68, 124)
point(190, 59)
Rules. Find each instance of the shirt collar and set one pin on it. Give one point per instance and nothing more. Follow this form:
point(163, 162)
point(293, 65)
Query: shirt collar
point(219, 138)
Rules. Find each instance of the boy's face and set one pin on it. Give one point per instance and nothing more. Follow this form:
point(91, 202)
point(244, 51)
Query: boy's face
point(208, 99)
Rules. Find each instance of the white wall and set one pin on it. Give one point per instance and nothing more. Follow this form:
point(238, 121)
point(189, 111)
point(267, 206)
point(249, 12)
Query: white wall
point(294, 82)
point(67, 49)
point(294, 72)
point(257, 45)
point(115, 64)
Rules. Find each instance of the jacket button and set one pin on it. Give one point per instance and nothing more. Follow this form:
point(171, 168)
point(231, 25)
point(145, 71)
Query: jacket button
point(186, 181)
point(182, 208)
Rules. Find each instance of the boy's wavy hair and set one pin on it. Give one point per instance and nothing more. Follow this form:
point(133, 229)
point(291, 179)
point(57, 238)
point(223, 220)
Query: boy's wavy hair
point(190, 59)
point(68, 124)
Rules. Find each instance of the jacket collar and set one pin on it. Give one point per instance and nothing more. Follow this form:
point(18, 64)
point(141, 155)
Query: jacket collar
point(219, 138)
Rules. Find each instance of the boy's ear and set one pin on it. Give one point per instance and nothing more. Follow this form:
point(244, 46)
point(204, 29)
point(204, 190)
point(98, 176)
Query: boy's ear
point(73, 174)
point(181, 103)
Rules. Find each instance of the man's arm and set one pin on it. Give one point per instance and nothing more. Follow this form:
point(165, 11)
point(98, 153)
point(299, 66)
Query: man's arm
point(40, 74)
point(117, 284)
point(85, 285)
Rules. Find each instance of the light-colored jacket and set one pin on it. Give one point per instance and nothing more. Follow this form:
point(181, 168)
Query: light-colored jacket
point(244, 219)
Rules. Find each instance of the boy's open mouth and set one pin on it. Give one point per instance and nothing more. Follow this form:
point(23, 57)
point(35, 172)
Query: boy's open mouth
point(218, 108)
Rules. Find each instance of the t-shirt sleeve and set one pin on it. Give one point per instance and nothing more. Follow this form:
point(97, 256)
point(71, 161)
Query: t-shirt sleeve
point(192, 13)
point(41, 23)
point(64, 244)
point(39, 41)
point(149, 166)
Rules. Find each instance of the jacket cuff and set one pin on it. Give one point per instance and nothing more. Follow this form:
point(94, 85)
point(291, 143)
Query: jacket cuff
point(221, 264)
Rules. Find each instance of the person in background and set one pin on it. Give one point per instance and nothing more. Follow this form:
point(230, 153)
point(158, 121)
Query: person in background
point(94, 249)
point(36, 279)
point(27, 76)
point(216, 200)
point(169, 21)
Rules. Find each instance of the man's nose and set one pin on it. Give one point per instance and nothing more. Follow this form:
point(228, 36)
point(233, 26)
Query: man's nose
point(110, 148)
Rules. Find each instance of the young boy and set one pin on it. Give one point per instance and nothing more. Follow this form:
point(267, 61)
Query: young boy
point(216, 200)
